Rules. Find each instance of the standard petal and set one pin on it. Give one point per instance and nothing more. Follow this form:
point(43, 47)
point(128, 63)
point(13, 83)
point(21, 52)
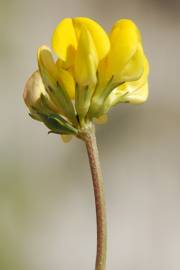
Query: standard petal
point(126, 22)
point(64, 41)
point(98, 34)
point(124, 41)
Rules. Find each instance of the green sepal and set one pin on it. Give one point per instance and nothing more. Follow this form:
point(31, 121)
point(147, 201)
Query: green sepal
point(83, 100)
point(97, 103)
point(57, 124)
point(34, 116)
point(58, 94)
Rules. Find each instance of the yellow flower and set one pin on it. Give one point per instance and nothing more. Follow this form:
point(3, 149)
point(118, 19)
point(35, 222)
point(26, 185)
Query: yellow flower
point(134, 92)
point(93, 72)
point(124, 63)
point(80, 44)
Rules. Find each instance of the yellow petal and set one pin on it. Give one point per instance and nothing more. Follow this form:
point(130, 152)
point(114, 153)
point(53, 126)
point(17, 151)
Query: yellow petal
point(134, 92)
point(64, 42)
point(67, 81)
point(126, 22)
point(137, 83)
point(65, 65)
point(124, 40)
point(104, 72)
point(139, 96)
point(45, 60)
point(138, 90)
point(134, 68)
point(64, 78)
point(101, 120)
point(66, 138)
point(86, 60)
point(99, 36)
point(66, 36)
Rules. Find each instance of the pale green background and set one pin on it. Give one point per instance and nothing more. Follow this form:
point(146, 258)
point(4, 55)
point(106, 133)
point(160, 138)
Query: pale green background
point(47, 218)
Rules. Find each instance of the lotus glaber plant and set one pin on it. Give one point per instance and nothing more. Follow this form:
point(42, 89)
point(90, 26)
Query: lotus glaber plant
point(93, 71)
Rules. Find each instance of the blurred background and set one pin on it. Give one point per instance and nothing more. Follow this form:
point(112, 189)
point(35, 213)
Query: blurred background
point(47, 215)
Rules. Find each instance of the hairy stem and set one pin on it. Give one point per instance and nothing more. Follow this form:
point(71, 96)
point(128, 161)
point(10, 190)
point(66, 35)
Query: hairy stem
point(90, 139)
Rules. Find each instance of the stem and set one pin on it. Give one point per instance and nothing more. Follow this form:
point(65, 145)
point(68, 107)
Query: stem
point(90, 139)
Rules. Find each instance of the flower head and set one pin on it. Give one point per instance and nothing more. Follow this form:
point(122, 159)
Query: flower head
point(92, 73)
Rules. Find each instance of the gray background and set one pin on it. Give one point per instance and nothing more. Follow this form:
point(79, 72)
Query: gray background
point(47, 218)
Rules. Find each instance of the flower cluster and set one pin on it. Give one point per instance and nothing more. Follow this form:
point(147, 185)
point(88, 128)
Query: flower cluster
point(92, 73)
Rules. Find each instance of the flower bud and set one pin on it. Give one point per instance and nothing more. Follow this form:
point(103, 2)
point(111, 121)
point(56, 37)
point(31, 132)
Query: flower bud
point(33, 90)
point(36, 97)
